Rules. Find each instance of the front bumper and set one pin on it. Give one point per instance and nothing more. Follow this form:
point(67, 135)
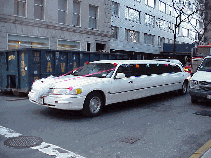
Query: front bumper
point(200, 94)
point(66, 102)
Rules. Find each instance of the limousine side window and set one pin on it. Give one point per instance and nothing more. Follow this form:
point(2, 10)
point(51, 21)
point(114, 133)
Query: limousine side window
point(176, 68)
point(126, 69)
point(146, 69)
point(139, 69)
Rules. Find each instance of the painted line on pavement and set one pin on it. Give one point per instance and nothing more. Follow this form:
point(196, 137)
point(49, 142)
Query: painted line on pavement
point(46, 148)
point(201, 151)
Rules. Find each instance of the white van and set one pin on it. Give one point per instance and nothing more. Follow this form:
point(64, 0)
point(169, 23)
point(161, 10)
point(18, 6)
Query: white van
point(200, 83)
point(104, 82)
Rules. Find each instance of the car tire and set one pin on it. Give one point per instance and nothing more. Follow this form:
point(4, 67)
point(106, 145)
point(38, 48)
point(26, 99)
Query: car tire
point(193, 100)
point(93, 104)
point(184, 89)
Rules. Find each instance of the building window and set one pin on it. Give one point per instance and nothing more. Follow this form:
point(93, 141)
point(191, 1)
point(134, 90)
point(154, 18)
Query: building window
point(170, 27)
point(114, 31)
point(132, 36)
point(178, 30)
point(149, 39)
point(161, 41)
point(115, 8)
point(62, 11)
point(185, 32)
point(93, 11)
point(201, 24)
point(193, 21)
point(158, 40)
point(166, 26)
point(159, 23)
point(163, 25)
point(39, 9)
point(196, 36)
point(88, 47)
point(20, 8)
point(132, 14)
point(76, 13)
point(68, 45)
point(192, 35)
point(149, 20)
point(162, 6)
point(169, 10)
point(16, 42)
point(150, 3)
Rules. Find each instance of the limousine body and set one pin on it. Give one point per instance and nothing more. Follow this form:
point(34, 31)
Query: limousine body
point(104, 82)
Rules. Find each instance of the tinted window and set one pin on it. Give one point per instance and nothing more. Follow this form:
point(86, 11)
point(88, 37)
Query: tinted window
point(126, 69)
point(163, 68)
point(147, 69)
point(176, 68)
point(138, 69)
point(144, 69)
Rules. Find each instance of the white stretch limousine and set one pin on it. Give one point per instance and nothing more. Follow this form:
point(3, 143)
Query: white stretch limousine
point(100, 83)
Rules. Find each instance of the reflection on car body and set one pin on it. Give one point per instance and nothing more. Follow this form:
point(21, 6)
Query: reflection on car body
point(104, 82)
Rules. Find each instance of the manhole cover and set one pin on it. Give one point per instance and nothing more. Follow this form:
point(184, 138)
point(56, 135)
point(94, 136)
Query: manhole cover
point(129, 140)
point(203, 113)
point(23, 142)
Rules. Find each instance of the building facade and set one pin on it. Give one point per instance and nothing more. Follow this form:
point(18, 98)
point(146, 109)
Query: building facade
point(81, 25)
point(207, 22)
point(142, 26)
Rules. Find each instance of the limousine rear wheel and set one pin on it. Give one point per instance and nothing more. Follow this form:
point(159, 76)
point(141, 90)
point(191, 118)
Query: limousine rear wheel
point(184, 88)
point(93, 104)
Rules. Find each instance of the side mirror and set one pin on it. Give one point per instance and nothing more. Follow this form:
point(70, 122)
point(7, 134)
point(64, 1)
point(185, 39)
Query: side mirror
point(120, 75)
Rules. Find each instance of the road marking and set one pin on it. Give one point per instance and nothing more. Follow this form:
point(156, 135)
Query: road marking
point(201, 150)
point(45, 148)
point(8, 133)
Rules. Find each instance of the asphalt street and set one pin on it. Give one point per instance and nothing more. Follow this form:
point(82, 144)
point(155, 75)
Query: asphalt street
point(166, 125)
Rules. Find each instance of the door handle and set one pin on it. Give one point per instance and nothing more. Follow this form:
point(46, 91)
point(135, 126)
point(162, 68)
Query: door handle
point(130, 81)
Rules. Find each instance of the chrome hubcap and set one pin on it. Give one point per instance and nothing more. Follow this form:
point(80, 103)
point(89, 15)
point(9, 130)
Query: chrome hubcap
point(184, 88)
point(95, 104)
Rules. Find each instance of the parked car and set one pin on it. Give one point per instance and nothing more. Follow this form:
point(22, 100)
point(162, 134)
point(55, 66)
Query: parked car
point(200, 83)
point(104, 82)
point(170, 60)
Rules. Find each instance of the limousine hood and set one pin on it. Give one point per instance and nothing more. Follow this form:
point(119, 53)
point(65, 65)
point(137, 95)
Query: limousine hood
point(77, 81)
point(42, 86)
point(202, 76)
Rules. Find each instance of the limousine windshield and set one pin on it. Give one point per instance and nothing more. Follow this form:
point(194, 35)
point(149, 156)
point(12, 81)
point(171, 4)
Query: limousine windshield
point(101, 70)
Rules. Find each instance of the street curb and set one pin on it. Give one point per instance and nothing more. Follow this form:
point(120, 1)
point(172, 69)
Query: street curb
point(201, 150)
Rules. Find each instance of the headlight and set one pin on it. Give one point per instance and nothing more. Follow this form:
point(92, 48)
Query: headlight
point(194, 84)
point(67, 91)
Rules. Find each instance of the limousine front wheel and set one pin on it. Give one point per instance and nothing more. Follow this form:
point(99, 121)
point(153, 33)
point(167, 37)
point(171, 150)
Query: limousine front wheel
point(93, 104)
point(184, 88)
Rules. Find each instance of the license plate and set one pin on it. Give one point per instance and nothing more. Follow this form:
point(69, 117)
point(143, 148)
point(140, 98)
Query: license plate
point(208, 96)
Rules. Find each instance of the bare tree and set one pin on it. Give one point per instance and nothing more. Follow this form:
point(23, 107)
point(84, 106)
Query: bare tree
point(186, 13)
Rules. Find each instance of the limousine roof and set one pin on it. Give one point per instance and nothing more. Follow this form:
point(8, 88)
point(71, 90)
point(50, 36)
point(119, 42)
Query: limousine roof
point(131, 61)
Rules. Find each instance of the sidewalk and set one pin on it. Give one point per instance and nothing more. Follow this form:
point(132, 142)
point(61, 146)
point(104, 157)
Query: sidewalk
point(207, 154)
point(203, 152)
